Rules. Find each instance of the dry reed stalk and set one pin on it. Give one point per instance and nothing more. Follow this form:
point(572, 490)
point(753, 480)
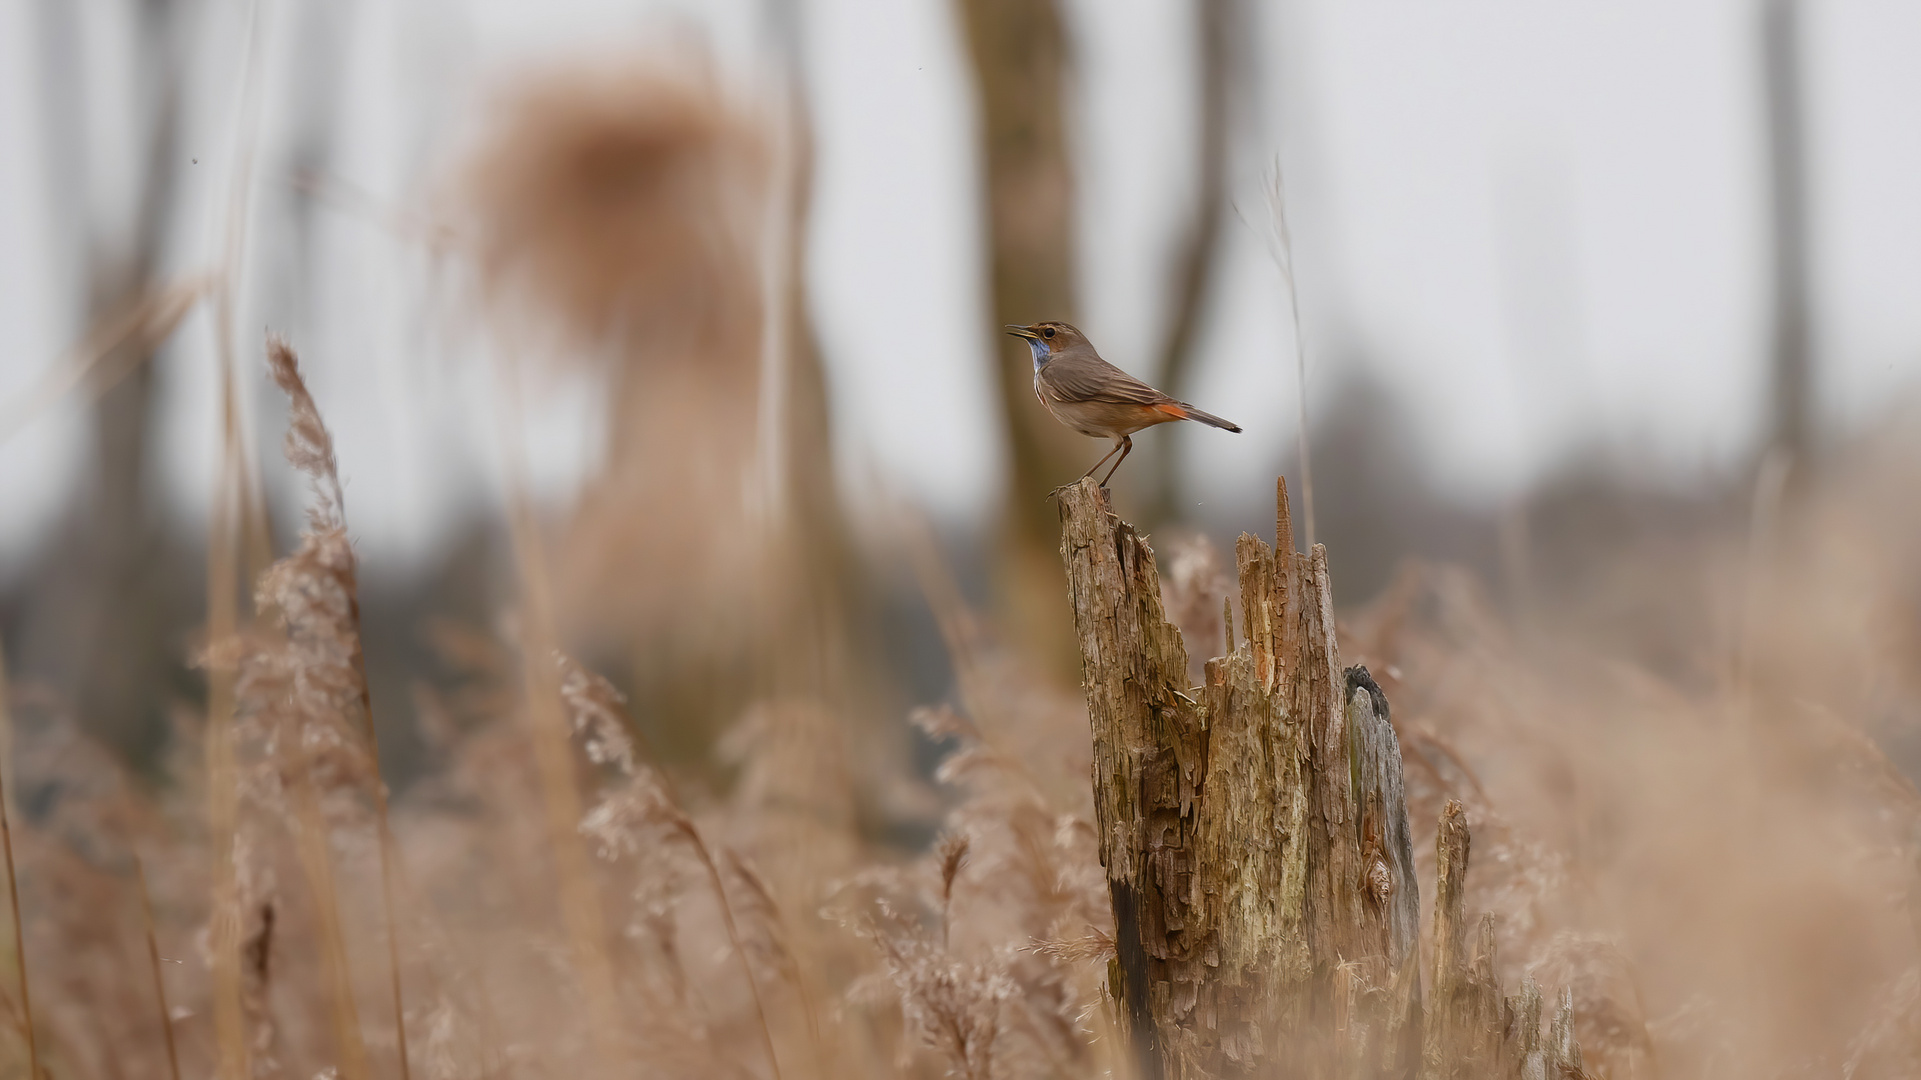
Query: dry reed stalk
point(256, 531)
point(250, 503)
point(1281, 249)
point(579, 894)
point(223, 792)
point(647, 802)
point(229, 509)
point(19, 941)
point(316, 861)
point(153, 959)
point(361, 204)
point(961, 635)
point(1764, 513)
point(6, 726)
point(146, 321)
point(387, 867)
point(693, 837)
point(796, 975)
point(792, 806)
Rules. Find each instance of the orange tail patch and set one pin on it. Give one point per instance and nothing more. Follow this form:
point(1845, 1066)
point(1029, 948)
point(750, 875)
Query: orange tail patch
point(1171, 409)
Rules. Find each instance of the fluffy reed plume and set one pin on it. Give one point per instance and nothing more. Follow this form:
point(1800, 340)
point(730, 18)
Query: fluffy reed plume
point(621, 200)
point(302, 688)
point(641, 814)
point(1016, 766)
point(1046, 889)
point(621, 209)
point(304, 739)
point(952, 1006)
point(955, 932)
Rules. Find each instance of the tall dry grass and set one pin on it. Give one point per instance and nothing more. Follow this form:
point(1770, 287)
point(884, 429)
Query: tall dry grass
point(1707, 844)
point(1723, 878)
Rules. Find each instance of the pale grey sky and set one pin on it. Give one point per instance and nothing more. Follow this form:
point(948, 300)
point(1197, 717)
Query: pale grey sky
point(1539, 223)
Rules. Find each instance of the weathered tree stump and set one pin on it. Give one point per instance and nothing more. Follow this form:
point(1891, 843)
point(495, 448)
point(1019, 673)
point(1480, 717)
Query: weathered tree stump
point(1254, 831)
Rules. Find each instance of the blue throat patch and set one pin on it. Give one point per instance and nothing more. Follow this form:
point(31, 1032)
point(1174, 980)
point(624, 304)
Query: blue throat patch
point(1040, 351)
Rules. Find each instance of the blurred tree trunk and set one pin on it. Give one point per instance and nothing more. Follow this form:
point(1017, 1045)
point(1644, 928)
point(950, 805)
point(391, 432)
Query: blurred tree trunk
point(316, 75)
point(1221, 25)
point(1021, 63)
point(1791, 364)
point(825, 668)
point(112, 596)
point(810, 487)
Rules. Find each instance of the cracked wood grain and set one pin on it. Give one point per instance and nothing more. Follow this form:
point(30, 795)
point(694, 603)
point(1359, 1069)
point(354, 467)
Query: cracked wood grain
point(1255, 837)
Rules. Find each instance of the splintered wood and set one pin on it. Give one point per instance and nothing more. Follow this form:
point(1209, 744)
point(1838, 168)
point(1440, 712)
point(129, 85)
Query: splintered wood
point(1254, 831)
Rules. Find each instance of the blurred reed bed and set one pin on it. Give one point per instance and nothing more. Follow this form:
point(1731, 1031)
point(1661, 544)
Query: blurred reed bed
point(1713, 848)
point(1713, 851)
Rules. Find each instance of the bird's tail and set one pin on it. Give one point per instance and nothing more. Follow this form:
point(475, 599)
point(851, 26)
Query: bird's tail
point(1189, 412)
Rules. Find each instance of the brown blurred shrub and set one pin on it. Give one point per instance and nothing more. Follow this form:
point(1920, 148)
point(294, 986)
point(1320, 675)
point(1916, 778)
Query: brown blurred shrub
point(621, 208)
point(620, 202)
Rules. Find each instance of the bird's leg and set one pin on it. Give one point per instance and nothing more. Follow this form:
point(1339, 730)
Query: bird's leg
point(1127, 447)
point(1103, 461)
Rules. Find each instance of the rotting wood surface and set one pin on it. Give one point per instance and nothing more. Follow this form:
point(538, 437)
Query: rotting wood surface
point(1254, 832)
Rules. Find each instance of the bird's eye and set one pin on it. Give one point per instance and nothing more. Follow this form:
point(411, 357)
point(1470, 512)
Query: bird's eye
point(1049, 332)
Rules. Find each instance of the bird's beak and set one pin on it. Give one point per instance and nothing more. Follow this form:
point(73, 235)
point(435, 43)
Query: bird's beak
point(1022, 332)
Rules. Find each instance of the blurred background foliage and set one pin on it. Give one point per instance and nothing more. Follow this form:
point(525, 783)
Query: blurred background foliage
point(507, 199)
point(1603, 314)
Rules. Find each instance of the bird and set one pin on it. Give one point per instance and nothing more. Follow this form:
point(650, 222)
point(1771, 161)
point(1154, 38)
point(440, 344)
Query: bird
point(1096, 398)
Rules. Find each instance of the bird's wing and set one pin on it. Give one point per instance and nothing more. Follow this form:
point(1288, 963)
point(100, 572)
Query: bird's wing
point(1076, 379)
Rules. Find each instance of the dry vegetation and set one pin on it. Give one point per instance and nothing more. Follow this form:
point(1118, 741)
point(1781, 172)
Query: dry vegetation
point(1713, 852)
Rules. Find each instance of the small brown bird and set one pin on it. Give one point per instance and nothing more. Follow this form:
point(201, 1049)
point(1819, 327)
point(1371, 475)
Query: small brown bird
point(1096, 398)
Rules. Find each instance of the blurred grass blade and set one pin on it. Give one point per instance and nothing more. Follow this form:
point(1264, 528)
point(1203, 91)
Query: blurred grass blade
point(108, 353)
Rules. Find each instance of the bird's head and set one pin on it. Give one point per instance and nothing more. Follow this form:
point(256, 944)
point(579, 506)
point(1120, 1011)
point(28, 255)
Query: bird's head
point(1048, 339)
